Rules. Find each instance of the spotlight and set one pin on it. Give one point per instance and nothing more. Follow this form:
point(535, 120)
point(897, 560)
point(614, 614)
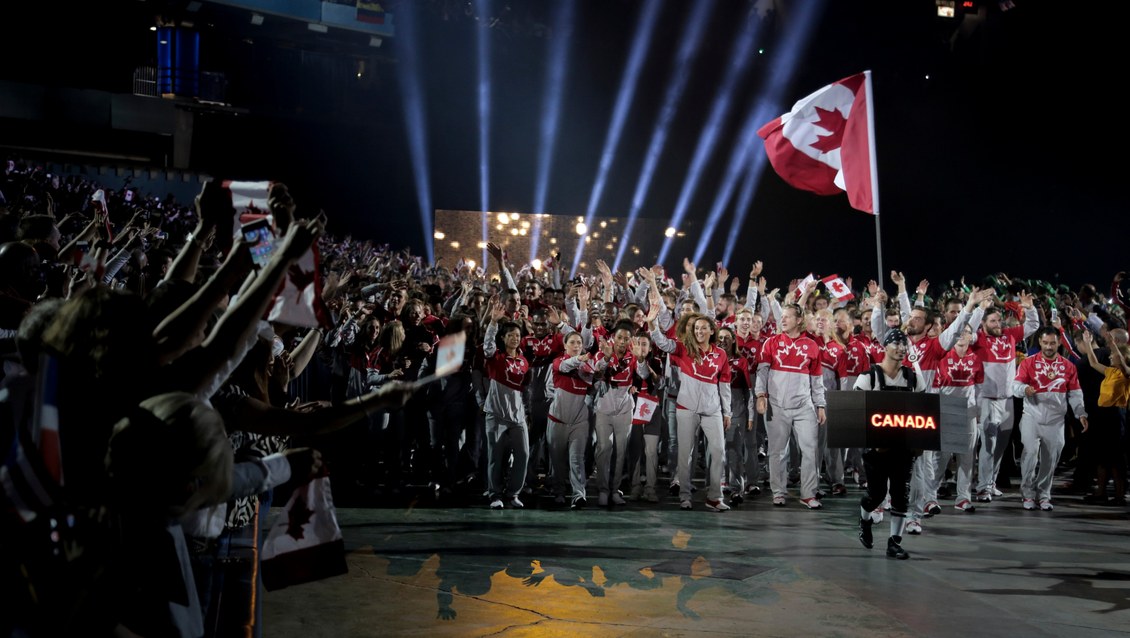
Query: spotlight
point(522, 232)
point(525, 224)
point(536, 263)
point(481, 244)
point(499, 226)
point(503, 218)
point(588, 238)
point(153, 28)
point(514, 216)
point(439, 234)
point(470, 263)
point(670, 232)
point(604, 224)
point(581, 228)
point(455, 245)
point(513, 231)
point(553, 240)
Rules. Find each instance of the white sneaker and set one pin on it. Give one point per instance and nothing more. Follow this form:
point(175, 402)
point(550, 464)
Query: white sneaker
point(602, 500)
point(913, 527)
point(1029, 504)
point(877, 515)
point(686, 505)
point(995, 492)
point(515, 503)
point(496, 504)
point(1046, 505)
point(811, 503)
point(617, 499)
point(716, 506)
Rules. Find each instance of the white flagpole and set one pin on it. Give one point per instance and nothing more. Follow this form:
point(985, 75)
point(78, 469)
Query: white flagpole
point(874, 169)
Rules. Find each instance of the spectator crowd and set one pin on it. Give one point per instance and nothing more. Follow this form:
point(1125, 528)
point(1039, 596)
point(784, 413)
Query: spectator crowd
point(154, 402)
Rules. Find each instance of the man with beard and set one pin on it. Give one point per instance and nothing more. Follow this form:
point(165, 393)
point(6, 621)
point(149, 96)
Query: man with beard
point(995, 346)
point(1048, 382)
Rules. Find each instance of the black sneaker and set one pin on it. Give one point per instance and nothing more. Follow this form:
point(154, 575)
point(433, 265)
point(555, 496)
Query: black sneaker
point(737, 499)
point(578, 503)
point(865, 533)
point(895, 550)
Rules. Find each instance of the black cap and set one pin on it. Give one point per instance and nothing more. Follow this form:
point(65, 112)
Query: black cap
point(895, 337)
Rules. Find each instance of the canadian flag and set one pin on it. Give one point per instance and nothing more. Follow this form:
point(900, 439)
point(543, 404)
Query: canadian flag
point(825, 144)
point(645, 409)
point(837, 288)
point(803, 284)
point(299, 301)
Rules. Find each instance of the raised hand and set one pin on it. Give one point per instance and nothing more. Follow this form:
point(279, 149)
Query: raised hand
point(723, 275)
point(606, 347)
point(689, 267)
point(652, 313)
point(755, 270)
point(898, 278)
point(734, 285)
point(923, 286)
point(494, 250)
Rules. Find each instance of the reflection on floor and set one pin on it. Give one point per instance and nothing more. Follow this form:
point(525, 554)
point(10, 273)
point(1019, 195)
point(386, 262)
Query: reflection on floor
point(758, 570)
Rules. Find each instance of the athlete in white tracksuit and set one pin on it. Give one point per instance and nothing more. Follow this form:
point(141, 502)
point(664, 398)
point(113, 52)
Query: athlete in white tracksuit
point(1048, 383)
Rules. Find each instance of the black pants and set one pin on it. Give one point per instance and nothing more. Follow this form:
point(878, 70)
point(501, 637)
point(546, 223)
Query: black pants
point(887, 465)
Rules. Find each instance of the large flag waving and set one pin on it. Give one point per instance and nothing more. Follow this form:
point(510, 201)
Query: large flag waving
point(825, 143)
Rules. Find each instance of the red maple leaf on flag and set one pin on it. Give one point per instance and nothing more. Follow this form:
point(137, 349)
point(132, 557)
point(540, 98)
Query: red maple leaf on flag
point(645, 410)
point(833, 121)
point(301, 280)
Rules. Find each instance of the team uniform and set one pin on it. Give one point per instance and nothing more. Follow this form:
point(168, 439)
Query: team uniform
point(1056, 382)
point(789, 373)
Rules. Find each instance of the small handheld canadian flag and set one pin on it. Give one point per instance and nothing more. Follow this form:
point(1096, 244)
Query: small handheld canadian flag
point(837, 288)
point(803, 284)
point(645, 409)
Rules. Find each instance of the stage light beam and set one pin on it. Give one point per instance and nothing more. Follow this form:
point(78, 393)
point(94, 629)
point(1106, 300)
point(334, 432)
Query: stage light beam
point(483, 45)
point(684, 59)
point(641, 42)
point(740, 59)
point(413, 104)
point(551, 107)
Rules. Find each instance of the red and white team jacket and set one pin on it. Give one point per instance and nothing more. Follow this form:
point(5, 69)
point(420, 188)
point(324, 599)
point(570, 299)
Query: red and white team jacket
point(1056, 382)
point(998, 354)
point(508, 380)
point(789, 371)
point(569, 382)
point(618, 371)
point(704, 385)
point(958, 375)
